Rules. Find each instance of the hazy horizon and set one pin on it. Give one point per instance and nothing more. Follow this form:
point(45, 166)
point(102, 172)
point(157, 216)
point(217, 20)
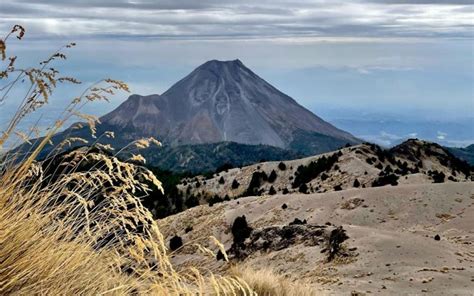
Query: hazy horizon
point(340, 59)
point(236, 147)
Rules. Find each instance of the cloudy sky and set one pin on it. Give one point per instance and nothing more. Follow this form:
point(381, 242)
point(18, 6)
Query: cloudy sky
point(336, 57)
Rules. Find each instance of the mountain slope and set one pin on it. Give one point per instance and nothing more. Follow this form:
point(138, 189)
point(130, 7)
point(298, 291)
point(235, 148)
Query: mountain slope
point(201, 158)
point(406, 240)
point(219, 102)
point(466, 154)
point(366, 165)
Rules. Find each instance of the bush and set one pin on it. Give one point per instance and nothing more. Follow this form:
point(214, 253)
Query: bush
point(272, 177)
point(303, 188)
point(214, 200)
point(176, 242)
point(324, 176)
point(191, 201)
point(297, 221)
point(282, 166)
point(257, 179)
point(224, 168)
point(272, 191)
point(356, 183)
point(235, 184)
point(166, 202)
point(337, 237)
point(240, 229)
point(390, 179)
point(438, 177)
point(305, 174)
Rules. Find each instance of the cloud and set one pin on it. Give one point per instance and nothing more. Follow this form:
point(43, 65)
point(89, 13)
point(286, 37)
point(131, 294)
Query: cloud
point(385, 54)
point(244, 18)
point(387, 139)
point(447, 2)
point(441, 135)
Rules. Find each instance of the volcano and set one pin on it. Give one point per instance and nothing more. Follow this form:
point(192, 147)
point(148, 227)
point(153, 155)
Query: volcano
point(220, 113)
point(220, 101)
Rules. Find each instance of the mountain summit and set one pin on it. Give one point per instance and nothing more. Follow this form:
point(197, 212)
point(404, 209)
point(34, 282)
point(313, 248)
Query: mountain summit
point(221, 101)
point(221, 113)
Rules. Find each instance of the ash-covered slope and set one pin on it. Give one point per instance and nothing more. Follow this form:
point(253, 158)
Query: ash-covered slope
point(365, 165)
point(221, 101)
point(218, 102)
point(412, 239)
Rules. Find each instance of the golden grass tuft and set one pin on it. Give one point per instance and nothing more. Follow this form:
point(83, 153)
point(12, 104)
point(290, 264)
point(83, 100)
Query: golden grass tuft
point(80, 232)
point(265, 282)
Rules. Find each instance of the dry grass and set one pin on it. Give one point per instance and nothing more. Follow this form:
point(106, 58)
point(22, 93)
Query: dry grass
point(83, 233)
point(265, 282)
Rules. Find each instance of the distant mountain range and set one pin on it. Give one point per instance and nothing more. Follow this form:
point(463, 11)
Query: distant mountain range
point(219, 102)
point(466, 154)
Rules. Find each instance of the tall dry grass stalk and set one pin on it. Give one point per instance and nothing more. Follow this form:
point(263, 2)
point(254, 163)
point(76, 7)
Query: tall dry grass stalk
point(265, 282)
point(79, 232)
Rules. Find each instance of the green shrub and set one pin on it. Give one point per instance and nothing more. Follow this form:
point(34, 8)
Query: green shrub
point(272, 177)
point(235, 184)
point(282, 166)
point(390, 179)
point(356, 183)
point(257, 180)
point(438, 177)
point(305, 174)
point(272, 191)
point(303, 188)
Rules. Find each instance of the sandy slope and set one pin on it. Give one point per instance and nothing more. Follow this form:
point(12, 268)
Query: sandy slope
point(353, 164)
point(393, 229)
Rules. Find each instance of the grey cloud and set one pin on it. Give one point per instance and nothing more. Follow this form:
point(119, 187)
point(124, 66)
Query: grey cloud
point(147, 4)
point(448, 2)
point(221, 19)
point(16, 9)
